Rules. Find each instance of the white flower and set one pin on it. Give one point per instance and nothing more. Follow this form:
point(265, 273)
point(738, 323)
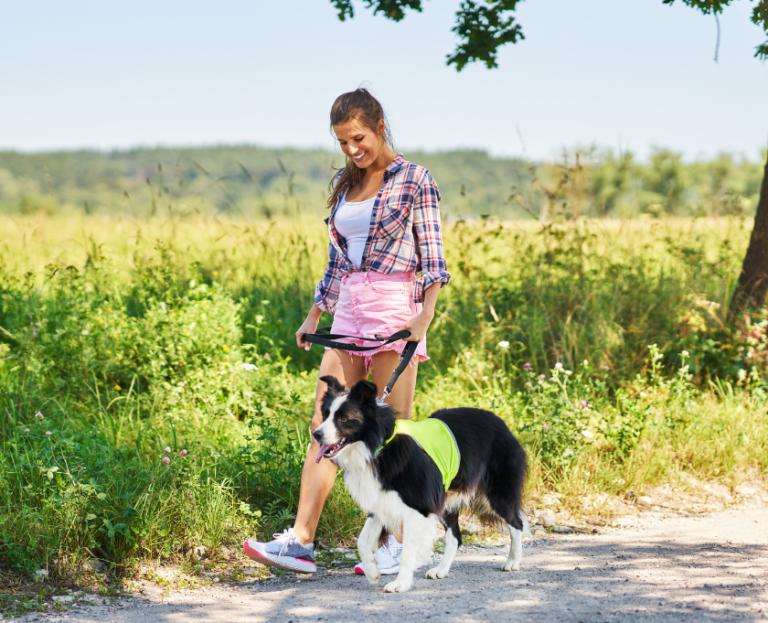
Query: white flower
point(558, 365)
point(643, 395)
point(586, 363)
point(588, 434)
point(504, 345)
point(685, 353)
point(248, 367)
point(568, 372)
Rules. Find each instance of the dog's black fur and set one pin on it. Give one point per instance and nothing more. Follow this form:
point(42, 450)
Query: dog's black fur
point(491, 472)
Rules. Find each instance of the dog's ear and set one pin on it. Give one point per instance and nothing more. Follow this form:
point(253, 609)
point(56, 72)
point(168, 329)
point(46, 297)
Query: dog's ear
point(334, 387)
point(363, 391)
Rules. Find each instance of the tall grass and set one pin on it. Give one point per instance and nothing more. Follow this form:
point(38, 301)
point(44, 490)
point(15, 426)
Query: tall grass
point(133, 336)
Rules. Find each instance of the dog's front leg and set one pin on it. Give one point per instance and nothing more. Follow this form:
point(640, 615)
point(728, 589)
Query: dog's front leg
point(415, 528)
point(515, 549)
point(367, 543)
point(452, 542)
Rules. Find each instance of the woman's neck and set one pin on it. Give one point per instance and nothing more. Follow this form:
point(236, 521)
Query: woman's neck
point(385, 157)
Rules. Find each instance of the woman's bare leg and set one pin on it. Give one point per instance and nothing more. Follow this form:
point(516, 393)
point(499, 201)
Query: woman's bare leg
point(317, 478)
point(401, 398)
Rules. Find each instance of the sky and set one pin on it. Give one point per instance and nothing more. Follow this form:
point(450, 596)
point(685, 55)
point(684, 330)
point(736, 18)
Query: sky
point(624, 74)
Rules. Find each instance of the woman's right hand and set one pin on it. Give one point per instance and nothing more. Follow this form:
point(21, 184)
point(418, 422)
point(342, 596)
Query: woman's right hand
point(308, 326)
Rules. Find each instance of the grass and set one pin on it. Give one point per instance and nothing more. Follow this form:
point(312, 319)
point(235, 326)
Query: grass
point(144, 340)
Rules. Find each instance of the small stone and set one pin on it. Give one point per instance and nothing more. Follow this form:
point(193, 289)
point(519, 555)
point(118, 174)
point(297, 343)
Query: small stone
point(201, 551)
point(40, 575)
point(96, 565)
point(563, 530)
point(645, 501)
point(547, 518)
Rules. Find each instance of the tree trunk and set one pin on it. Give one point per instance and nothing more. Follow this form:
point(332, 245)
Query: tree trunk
point(753, 281)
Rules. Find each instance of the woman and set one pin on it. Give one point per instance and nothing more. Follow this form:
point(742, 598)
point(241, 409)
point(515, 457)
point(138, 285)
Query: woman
point(384, 229)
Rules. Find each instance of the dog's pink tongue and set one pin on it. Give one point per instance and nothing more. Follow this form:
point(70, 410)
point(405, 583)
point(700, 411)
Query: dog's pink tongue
point(320, 454)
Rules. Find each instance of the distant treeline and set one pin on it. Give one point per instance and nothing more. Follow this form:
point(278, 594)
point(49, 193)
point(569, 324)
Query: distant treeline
point(257, 181)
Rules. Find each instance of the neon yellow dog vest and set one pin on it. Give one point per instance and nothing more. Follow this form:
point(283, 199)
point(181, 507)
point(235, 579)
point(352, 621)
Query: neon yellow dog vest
point(437, 440)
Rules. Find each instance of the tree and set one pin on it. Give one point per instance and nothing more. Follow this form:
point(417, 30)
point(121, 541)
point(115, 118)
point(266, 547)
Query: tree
point(483, 26)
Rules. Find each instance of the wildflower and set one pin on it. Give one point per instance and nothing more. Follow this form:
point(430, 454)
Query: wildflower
point(588, 434)
point(526, 366)
point(166, 460)
point(558, 365)
point(248, 367)
point(48, 433)
point(583, 403)
point(643, 394)
point(541, 382)
point(568, 372)
point(468, 355)
point(66, 416)
point(606, 368)
point(266, 356)
point(84, 332)
point(189, 510)
point(116, 467)
point(503, 345)
point(586, 363)
point(26, 430)
point(167, 448)
point(528, 384)
point(117, 388)
point(545, 426)
point(225, 348)
point(189, 495)
point(183, 453)
point(39, 415)
point(542, 376)
point(685, 353)
point(553, 380)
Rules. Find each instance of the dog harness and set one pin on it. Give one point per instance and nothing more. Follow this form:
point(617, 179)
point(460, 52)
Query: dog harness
point(437, 440)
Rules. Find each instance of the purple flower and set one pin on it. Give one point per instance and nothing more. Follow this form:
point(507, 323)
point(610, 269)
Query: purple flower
point(541, 382)
point(583, 403)
point(545, 426)
point(48, 433)
point(558, 365)
point(167, 448)
point(26, 430)
point(189, 495)
point(39, 415)
point(542, 376)
point(183, 453)
point(528, 384)
point(166, 460)
point(606, 368)
point(526, 366)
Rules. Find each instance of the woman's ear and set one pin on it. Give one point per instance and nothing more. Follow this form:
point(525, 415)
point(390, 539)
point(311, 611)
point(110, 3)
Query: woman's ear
point(381, 127)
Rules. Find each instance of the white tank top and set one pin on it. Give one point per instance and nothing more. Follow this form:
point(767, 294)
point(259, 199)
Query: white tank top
point(353, 221)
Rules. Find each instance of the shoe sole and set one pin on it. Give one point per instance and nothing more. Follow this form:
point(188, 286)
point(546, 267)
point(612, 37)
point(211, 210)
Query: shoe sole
point(281, 562)
point(391, 571)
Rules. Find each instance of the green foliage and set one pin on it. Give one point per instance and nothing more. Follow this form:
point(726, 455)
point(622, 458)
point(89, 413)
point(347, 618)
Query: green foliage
point(262, 183)
point(174, 339)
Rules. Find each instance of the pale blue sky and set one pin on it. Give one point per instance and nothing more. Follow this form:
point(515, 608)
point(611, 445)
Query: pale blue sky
point(628, 73)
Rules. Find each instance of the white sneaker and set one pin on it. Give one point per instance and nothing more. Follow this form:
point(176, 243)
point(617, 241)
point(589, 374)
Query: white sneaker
point(387, 558)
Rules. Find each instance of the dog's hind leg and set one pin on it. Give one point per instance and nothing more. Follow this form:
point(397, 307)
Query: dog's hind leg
point(452, 543)
point(367, 544)
point(515, 549)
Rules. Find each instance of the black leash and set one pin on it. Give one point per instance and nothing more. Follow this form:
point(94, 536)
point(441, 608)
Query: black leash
point(324, 337)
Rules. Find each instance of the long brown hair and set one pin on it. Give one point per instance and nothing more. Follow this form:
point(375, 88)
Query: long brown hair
point(363, 107)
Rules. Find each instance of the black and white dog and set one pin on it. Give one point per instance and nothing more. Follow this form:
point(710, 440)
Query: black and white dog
point(400, 487)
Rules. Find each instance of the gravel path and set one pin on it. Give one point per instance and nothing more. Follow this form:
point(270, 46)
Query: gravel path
point(712, 567)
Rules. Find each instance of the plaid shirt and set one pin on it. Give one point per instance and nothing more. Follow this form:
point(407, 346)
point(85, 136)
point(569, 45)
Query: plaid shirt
point(404, 236)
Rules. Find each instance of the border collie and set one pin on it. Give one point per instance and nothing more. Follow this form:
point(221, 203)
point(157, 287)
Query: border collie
point(400, 487)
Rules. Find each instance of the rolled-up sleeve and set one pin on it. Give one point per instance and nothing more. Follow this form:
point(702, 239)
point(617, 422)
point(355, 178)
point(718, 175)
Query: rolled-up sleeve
point(429, 237)
point(327, 291)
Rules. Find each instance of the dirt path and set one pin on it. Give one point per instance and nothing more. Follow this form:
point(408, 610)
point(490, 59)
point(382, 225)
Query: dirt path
point(713, 567)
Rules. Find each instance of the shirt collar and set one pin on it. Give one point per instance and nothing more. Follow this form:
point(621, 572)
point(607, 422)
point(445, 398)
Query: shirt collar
point(395, 165)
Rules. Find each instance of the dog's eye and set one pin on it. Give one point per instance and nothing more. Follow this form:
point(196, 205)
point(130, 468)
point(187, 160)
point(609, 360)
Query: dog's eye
point(342, 418)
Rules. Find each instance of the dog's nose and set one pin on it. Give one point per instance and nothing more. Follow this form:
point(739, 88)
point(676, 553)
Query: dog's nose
point(317, 436)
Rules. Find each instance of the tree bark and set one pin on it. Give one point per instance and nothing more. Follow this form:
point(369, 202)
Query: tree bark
point(753, 281)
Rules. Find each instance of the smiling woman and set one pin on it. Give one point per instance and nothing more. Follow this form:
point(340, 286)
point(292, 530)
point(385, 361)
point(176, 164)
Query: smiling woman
point(385, 269)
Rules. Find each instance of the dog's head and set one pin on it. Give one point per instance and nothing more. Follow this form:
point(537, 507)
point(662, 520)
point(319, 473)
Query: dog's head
point(350, 417)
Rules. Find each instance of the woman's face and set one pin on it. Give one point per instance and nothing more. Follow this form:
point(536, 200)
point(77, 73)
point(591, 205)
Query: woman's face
point(359, 142)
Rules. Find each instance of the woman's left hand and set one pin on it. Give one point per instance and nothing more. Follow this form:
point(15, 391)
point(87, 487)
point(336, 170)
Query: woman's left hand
point(418, 326)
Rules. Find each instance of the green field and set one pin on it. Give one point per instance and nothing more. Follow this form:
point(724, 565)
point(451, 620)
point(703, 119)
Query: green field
point(143, 339)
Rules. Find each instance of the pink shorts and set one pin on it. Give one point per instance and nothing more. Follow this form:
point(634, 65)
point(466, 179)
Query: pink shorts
point(373, 304)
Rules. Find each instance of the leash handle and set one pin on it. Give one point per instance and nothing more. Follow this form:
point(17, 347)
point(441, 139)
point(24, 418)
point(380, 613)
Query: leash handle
point(324, 337)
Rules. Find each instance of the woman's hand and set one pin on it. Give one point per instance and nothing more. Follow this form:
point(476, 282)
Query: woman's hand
point(418, 326)
point(308, 326)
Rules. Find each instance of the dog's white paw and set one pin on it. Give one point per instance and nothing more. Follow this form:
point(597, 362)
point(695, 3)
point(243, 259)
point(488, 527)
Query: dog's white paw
point(511, 565)
point(372, 574)
point(397, 587)
point(436, 573)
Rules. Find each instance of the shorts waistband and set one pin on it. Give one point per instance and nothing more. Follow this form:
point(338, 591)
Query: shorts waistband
point(370, 276)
